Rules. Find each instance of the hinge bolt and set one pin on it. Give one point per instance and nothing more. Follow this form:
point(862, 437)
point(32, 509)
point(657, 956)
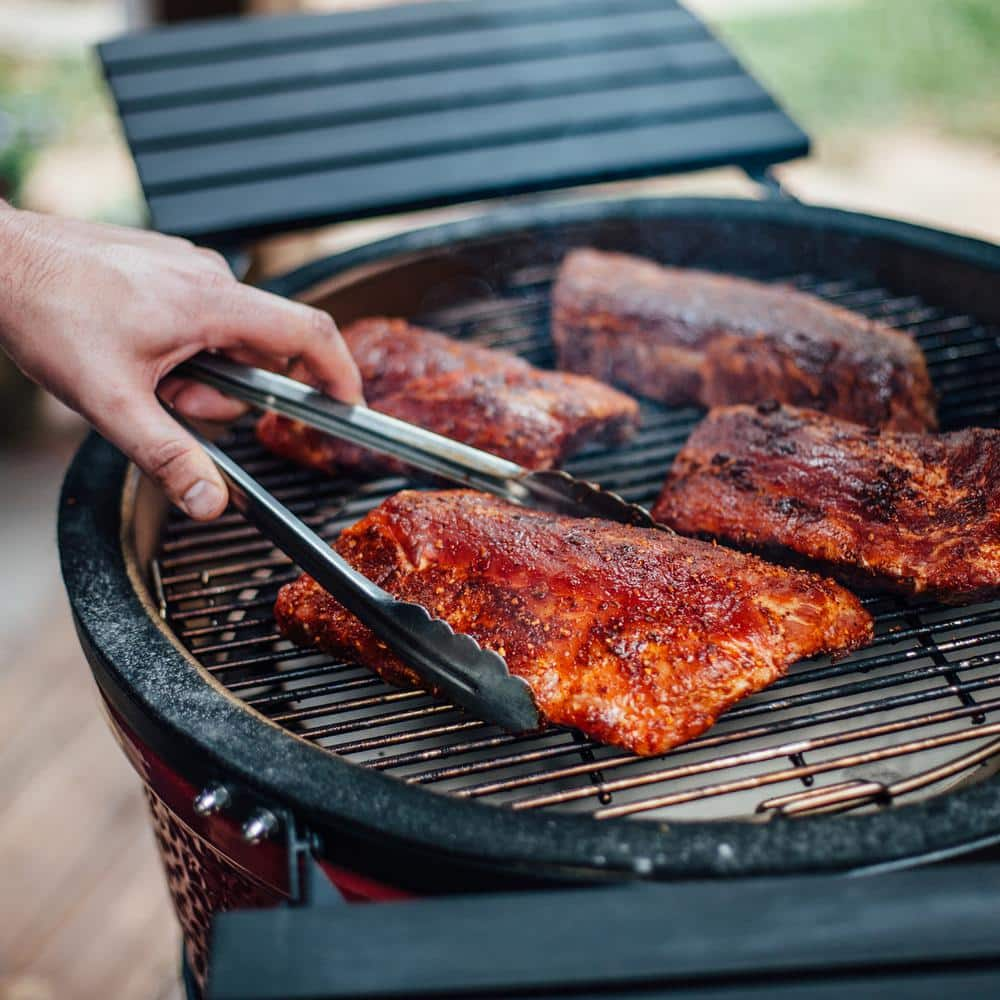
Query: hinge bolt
point(259, 826)
point(211, 800)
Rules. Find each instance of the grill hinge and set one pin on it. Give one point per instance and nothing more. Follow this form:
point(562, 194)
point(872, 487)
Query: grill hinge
point(307, 885)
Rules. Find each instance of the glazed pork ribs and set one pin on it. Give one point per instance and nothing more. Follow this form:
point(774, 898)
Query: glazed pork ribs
point(684, 336)
point(917, 514)
point(489, 399)
point(637, 637)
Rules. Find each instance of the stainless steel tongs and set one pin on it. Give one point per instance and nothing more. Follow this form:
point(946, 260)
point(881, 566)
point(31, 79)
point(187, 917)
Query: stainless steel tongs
point(473, 677)
point(550, 489)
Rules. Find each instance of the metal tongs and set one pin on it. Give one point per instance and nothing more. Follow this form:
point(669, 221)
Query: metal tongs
point(549, 489)
point(473, 677)
point(476, 678)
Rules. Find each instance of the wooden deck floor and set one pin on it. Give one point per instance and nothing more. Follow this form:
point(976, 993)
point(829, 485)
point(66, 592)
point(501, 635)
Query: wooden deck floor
point(84, 911)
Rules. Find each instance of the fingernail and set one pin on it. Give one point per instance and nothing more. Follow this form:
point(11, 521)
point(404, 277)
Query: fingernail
point(203, 499)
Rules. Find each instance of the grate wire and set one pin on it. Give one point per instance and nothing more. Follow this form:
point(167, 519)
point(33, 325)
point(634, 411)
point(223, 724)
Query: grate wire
point(911, 714)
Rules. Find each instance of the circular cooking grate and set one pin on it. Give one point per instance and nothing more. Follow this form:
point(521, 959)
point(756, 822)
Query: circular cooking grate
point(913, 714)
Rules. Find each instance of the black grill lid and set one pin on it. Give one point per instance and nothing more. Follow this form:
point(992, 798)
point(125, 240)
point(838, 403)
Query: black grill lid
point(240, 128)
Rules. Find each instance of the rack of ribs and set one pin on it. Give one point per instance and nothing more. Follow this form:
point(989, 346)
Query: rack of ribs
point(917, 514)
point(684, 336)
point(489, 399)
point(637, 637)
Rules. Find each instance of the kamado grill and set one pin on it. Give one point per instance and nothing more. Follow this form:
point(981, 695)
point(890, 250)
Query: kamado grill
point(252, 750)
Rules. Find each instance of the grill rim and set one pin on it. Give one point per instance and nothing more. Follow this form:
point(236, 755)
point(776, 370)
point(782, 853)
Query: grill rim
point(207, 733)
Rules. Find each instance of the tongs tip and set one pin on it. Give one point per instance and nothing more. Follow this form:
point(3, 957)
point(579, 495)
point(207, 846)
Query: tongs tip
point(480, 678)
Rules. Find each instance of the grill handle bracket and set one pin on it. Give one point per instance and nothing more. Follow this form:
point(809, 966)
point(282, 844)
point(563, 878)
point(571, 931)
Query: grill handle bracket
point(307, 885)
point(770, 185)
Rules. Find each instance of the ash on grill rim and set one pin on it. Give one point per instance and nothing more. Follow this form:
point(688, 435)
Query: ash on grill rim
point(691, 847)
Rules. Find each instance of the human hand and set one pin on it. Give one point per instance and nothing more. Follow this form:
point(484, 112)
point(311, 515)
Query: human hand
point(100, 315)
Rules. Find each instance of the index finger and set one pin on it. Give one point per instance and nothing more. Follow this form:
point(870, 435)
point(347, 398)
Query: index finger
point(250, 319)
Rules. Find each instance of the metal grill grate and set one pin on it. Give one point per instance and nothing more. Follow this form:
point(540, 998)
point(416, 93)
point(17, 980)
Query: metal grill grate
point(914, 713)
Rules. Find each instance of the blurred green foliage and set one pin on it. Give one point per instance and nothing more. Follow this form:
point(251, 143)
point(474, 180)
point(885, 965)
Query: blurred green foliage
point(880, 62)
point(868, 63)
point(43, 100)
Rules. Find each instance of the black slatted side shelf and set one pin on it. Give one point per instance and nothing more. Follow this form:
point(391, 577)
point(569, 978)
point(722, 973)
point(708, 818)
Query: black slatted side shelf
point(240, 128)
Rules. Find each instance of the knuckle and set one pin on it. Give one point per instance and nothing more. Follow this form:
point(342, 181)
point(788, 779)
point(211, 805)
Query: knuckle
point(168, 241)
point(214, 258)
point(321, 325)
point(165, 460)
point(212, 280)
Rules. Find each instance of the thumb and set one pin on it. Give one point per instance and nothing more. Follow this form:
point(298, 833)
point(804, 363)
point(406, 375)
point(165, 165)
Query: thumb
point(170, 456)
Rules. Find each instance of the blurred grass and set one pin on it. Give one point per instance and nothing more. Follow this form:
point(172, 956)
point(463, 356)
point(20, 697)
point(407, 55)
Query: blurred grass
point(933, 63)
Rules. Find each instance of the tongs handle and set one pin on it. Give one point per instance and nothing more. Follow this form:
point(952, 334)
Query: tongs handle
point(360, 425)
point(471, 676)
